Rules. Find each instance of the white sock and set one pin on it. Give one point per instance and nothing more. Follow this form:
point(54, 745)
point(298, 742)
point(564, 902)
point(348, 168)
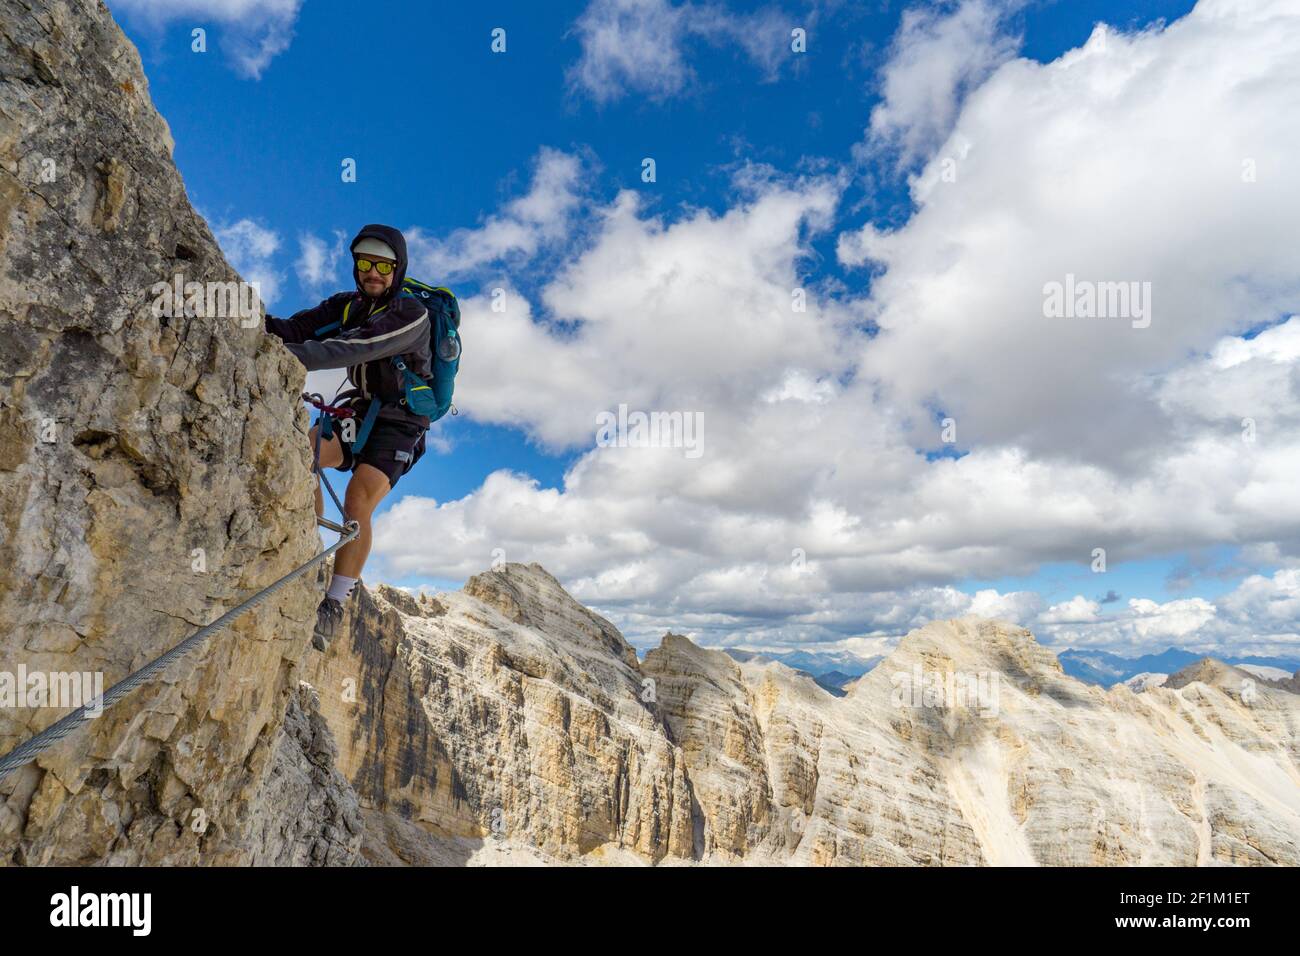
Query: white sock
point(340, 587)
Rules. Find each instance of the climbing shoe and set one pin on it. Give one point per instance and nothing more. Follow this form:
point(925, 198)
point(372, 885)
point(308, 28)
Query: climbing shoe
point(328, 616)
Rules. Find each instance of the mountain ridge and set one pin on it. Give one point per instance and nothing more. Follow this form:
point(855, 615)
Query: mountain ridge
point(702, 759)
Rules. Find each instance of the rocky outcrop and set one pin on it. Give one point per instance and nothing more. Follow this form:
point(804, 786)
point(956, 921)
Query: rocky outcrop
point(324, 825)
point(506, 723)
point(154, 473)
point(1239, 681)
point(1049, 770)
point(503, 714)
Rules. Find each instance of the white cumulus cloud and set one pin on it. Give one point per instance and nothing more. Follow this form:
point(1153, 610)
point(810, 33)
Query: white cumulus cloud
point(254, 31)
point(251, 249)
point(937, 56)
point(646, 46)
point(814, 513)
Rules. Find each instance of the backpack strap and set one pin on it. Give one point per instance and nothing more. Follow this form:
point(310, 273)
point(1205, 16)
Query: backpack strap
point(343, 322)
point(367, 423)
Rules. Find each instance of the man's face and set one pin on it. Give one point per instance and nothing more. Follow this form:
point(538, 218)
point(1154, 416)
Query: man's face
point(372, 283)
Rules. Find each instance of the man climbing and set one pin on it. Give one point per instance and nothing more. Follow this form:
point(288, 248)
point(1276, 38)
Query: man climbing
point(377, 333)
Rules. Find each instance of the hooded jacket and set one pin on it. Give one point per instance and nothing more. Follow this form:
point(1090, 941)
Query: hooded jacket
point(362, 334)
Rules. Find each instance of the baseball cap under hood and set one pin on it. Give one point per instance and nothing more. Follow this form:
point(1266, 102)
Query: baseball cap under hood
point(392, 238)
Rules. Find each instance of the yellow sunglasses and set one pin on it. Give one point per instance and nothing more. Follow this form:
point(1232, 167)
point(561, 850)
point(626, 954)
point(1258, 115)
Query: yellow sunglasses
point(383, 268)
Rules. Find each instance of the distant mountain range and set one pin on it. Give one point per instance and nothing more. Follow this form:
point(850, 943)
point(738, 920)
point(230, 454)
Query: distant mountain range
point(834, 671)
point(1105, 669)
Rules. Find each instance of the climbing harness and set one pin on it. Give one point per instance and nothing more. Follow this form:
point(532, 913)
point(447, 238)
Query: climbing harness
point(331, 415)
point(26, 752)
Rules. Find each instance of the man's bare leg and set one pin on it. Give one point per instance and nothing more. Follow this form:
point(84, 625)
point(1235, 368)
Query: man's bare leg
point(367, 488)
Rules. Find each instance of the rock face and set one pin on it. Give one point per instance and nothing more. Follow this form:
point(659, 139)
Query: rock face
point(506, 723)
point(506, 712)
point(153, 474)
point(322, 825)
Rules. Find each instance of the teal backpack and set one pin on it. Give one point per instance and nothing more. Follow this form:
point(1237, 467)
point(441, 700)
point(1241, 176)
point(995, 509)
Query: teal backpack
point(433, 397)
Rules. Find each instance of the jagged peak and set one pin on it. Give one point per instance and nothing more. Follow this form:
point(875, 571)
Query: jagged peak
point(678, 642)
point(975, 641)
point(678, 646)
point(530, 596)
point(1229, 678)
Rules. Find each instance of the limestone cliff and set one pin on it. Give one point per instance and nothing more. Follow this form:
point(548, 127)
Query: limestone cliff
point(153, 474)
point(504, 712)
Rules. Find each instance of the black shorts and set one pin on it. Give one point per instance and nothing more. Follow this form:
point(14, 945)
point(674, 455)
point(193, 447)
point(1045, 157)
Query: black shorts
point(393, 447)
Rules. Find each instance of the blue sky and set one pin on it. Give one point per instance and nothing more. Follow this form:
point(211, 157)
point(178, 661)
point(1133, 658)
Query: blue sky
point(446, 135)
